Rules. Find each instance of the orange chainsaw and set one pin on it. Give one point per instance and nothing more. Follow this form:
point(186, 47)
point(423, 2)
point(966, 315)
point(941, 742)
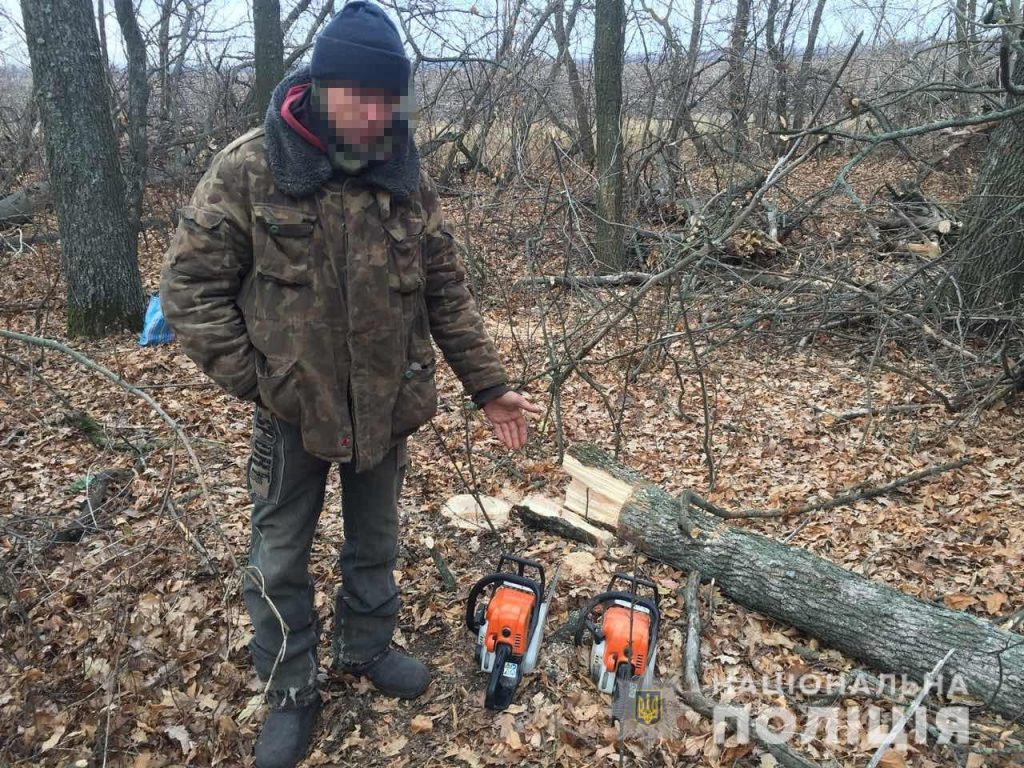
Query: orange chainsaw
point(510, 626)
point(625, 644)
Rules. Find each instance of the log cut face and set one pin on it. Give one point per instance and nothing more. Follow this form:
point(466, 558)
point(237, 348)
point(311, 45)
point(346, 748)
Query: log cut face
point(864, 619)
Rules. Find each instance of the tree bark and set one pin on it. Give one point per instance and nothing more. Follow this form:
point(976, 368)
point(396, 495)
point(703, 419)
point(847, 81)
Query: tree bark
point(989, 270)
point(269, 51)
point(609, 43)
point(98, 251)
point(963, 53)
point(737, 70)
point(138, 105)
point(775, 37)
point(864, 619)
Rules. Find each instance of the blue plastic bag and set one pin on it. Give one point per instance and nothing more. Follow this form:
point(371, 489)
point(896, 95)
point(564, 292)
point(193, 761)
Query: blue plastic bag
point(155, 329)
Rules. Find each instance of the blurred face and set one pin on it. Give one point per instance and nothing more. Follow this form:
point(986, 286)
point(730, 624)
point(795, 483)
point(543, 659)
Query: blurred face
point(358, 115)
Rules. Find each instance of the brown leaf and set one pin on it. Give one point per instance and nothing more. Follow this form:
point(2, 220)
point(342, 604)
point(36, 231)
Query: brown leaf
point(421, 723)
point(180, 734)
point(51, 742)
point(394, 746)
point(893, 759)
point(994, 602)
point(959, 602)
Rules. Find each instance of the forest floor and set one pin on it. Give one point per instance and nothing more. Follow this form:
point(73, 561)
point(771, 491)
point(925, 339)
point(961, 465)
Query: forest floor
point(120, 650)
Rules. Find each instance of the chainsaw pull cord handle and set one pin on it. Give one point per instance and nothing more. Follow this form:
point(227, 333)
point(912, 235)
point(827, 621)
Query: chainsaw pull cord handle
point(486, 581)
point(585, 623)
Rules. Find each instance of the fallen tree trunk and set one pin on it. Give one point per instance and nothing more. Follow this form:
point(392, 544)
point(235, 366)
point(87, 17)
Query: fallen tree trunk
point(19, 207)
point(15, 209)
point(864, 619)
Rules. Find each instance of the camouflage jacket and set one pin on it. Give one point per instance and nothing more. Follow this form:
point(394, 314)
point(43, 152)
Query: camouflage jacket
point(323, 306)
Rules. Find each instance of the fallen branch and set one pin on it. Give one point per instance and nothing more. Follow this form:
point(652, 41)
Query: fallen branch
point(450, 585)
point(696, 700)
point(209, 568)
point(113, 377)
point(860, 413)
point(897, 728)
point(584, 281)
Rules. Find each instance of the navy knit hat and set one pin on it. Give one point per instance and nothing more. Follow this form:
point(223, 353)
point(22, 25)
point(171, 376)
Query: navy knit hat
point(361, 45)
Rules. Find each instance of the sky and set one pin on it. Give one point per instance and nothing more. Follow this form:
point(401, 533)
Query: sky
point(231, 20)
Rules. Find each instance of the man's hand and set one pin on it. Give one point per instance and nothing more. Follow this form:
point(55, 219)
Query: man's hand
point(506, 414)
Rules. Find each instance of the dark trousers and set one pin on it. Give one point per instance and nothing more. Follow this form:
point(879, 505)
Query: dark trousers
point(287, 486)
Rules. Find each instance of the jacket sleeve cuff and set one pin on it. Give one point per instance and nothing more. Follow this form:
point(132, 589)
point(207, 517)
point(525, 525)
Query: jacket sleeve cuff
point(487, 394)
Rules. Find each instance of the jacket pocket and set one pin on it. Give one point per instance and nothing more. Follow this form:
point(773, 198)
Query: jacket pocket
point(416, 403)
point(278, 386)
point(405, 242)
point(420, 371)
point(198, 246)
point(204, 218)
point(282, 243)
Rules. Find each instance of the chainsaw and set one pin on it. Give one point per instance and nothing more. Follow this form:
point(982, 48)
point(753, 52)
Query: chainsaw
point(510, 626)
point(625, 644)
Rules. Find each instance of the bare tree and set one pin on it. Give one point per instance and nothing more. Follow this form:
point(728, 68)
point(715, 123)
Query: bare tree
point(776, 28)
point(98, 250)
point(269, 51)
point(138, 104)
point(609, 44)
point(737, 68)
point(562, 29)
point(989, 273)
point(800, 106)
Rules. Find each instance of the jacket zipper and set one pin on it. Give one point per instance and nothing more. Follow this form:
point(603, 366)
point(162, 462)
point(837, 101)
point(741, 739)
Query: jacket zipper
point(348, 338)
point(352, 416)
point(342, 294)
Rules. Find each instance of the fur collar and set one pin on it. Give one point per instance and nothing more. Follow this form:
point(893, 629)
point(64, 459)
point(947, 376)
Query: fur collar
point(300, 169)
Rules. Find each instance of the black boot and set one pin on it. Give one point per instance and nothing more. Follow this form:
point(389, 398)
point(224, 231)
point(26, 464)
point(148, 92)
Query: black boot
point(288, 730)
point(393, 673)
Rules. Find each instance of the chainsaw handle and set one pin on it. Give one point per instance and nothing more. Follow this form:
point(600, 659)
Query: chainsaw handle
point(636, 582)
point(486, 581)
point(605, 597)
point(523, 563)
point(584, 620)
point(590, 627)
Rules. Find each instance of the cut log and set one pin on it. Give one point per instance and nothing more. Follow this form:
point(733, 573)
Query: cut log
point(863, 619)
point(476, 513)
point(595, 495)
point(546, 514)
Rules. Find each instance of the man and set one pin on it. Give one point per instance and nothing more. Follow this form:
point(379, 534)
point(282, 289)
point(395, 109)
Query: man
point(308, 274)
